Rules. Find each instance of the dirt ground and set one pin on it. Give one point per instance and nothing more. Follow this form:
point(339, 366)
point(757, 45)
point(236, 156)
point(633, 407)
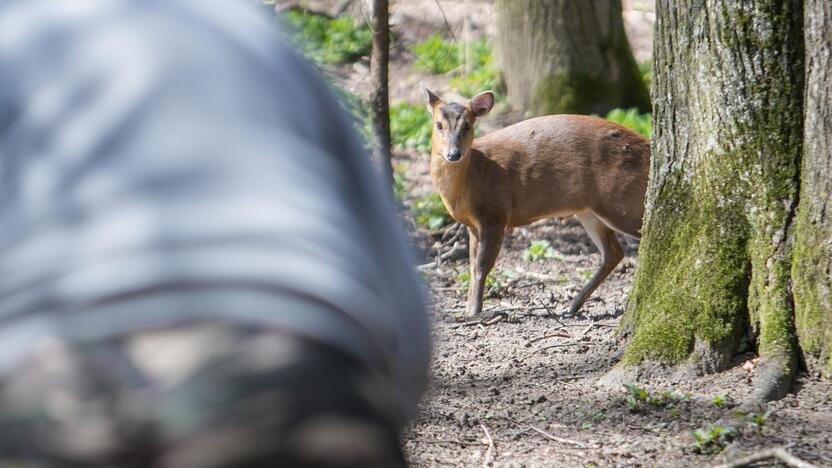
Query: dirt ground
point(523, 392)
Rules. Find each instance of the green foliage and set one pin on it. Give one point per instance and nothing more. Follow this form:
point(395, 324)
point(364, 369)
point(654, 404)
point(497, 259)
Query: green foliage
point(492, 282)
point(399, 190)
point(646, 70)
point(410, 126)
point(435, 55)
point(339, 40)
point(540, 250)
point(720, 400)
point(713, 439)
point(430, 211)
point(630, 118)
point(638, 399)
point(483, 75)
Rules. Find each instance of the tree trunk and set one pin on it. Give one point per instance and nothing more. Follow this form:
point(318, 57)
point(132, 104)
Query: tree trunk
point(713, 277)
point(379, 99)
point(566, 56)
point(812, 267)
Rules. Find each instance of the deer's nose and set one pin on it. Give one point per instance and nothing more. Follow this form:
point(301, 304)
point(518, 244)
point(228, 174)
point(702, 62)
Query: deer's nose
point(453, 155)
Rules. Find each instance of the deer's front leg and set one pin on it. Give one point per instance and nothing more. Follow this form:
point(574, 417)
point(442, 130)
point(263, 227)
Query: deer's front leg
point(487, 247)
point(473, 245)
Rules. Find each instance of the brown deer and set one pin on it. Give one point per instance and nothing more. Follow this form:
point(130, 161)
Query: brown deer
point(557, 165)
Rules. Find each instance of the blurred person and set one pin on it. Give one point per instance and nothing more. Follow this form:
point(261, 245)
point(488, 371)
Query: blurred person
point(199, 268)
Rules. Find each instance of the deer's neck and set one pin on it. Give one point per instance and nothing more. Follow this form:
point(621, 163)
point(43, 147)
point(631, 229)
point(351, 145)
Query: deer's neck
point(451, 181)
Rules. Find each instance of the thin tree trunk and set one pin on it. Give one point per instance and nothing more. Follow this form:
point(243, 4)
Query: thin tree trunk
point(379, 100)
point(567, 56)
point(812, 268)
point(713, 276)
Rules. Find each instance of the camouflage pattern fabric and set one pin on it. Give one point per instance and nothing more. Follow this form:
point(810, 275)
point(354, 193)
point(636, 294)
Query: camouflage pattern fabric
point(207, 394)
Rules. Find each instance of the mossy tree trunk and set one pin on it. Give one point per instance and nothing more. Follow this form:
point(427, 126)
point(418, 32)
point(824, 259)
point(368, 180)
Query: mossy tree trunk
point(566, 56)
point(812, 267)
point(714, 271)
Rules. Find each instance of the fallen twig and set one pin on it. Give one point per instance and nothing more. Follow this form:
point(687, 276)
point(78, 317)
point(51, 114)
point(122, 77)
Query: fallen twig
point(452, 233)
point(585, 331)
point(560, 345)
point(779, 453)
point(490, 453)
point(557, 334)
point(494, 319)
point(442, 441)
point(527, 285)
point(558, 439)
point(456, 252)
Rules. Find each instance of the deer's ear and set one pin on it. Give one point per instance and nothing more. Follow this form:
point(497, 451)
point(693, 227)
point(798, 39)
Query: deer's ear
point(431, 100)
point(482, 103)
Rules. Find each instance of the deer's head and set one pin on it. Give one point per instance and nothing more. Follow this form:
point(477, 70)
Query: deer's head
point(453, 123)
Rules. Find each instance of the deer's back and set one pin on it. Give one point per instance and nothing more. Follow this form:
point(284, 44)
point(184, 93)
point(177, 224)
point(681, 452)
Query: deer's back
point(563, 164)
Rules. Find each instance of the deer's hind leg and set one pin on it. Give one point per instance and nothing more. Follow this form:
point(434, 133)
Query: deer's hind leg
point(611, 253)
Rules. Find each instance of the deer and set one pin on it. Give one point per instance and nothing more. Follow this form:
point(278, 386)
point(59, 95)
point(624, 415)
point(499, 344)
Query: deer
point(550, 166)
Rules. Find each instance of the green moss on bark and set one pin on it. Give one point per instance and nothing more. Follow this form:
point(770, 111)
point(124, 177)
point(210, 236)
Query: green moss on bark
point(565, 94)
point(696, 289)
point(813, 304)
point(579, 94)
point(715, 260)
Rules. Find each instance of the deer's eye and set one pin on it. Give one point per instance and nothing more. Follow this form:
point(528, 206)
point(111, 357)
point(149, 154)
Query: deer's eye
point(439, 125)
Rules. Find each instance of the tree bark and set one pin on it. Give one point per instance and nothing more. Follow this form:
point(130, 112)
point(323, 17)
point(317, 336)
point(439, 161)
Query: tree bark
point(812, 267)
point(713, 277)
point(566, 56)
point(379, 99)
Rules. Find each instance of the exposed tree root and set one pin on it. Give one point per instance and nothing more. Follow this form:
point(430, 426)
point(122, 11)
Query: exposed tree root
point(778, 453)
point(773, 380)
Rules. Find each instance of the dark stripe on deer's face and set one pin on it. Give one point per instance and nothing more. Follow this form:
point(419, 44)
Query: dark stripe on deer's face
point(454, 114)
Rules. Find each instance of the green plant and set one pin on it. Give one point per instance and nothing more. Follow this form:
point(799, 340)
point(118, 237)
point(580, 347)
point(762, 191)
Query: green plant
point(435, 55)
point(638, 399)
point(540, 250)
point(463, 281)
point(713, 439)
point(483, 75)
point(630, 118)
point(720, 400)
point(755, 421)
point(586, 274)
point(430, 211)
point(410, 126)
point(338, 40)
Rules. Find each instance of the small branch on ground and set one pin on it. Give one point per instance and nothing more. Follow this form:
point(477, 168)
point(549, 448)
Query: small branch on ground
point(585, 331)
point(491, 452)
point(779, 453)
point(494, 319)
point(558, 439)
point(441, 441)
point(557, 334)
point(561, 345)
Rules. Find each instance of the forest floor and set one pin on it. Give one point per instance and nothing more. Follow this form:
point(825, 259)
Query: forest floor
point(523, 391)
